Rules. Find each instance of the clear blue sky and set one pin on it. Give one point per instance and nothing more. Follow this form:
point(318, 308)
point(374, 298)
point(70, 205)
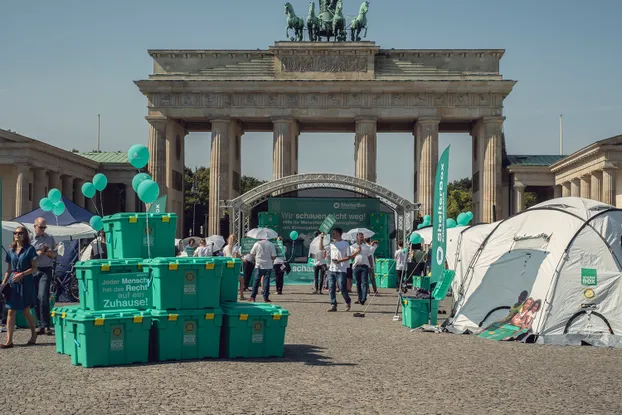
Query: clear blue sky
point(63, 62)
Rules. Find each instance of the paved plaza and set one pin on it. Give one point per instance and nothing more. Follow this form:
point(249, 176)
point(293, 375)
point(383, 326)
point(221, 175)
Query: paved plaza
point(334, 363)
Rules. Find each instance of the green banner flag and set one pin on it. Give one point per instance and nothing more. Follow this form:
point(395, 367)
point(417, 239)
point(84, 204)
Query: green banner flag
point(159, 206)
point(328, 224)
point(439, 217)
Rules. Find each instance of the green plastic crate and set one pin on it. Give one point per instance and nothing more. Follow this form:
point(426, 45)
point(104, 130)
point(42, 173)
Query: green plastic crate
point(106, 338)
point(59, 315)
point(186, 334)
point(415, 312)
point(253, 330)
point(386, 281)
point(421, 282)
point(113, 284)
point(128, 235)
point(185, 283)
point(229, 284)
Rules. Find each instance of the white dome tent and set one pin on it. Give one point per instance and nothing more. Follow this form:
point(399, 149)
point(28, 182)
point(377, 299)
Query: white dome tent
point(563, 259)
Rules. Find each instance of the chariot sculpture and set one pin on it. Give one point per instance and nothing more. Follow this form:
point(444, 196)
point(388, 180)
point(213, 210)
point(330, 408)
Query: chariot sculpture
point(329, 23)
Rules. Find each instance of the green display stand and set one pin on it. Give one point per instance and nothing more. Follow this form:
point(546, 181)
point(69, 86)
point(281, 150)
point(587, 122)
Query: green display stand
point(59, 315)
point(229, 284)
point(185, 283)
point(113, 284)
point(253, 330)
point(136, 235)
point(106, 338)
point(186, 334)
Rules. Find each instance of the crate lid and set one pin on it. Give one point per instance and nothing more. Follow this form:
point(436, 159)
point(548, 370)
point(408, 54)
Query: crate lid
point(101, 315)
point(143, 215)
point(207, 313)
point(181, 260)
point(253, 309)
point(97, 263)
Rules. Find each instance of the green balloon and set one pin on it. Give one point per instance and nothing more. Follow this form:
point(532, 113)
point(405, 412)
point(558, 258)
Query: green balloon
point(138, 156)
point(46, 204)
point(88, 190)
point(450, 223)
point(138, 179)
point(462, 218)
point(415, 238)
point(148, 191)
point(58, 209)
point(55, 195)
point(293, 235)
point(96, 223)
point(100, 181)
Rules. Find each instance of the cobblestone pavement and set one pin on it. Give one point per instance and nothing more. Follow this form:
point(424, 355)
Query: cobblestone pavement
point(333, 363)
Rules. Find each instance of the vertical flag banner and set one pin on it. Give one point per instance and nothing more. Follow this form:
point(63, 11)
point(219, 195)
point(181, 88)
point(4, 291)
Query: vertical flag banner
point(439, 217)
point(159, 205)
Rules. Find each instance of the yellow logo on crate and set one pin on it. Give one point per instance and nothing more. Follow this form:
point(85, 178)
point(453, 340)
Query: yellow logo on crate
point(117, 331)
point(189, 327)
point(257, 327)
point(189, 276)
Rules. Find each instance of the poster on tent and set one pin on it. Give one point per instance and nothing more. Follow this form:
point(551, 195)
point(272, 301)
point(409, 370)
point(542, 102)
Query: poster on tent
point(517, 322)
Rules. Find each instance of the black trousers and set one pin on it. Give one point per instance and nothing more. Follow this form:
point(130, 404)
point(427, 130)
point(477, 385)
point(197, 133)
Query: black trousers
point(248, 268)
point(319, 276)
point(279, 275)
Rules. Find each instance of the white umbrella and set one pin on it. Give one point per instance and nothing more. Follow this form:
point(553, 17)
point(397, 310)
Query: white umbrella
point(217, 240)
point(262, 233)
point(351, 234)
point(314, 247)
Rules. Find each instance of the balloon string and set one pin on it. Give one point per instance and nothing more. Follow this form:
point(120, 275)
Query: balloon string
point(148, 232)
point(94, 202)
point(101, 201)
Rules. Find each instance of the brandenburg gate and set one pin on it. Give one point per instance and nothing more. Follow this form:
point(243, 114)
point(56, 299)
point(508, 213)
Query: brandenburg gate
point(355, 87)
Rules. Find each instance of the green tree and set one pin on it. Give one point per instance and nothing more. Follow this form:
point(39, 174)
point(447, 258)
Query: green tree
point(531, 199)
point(249, 183)
point(459, 197)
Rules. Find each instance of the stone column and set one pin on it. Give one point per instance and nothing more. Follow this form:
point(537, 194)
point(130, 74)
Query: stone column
point(365, 145)
point(22, 202)
point(130, 201)
point(67, 190)
point(575, 188)
point(519, 197)
point(426, 137)
point(157, 152)
point(39, 183)
point(557, 191)
point(219, 172)
point(77, 189)
point(596, 191)
point(54, 182)
point(492, 203)
point(235, 159)
point(174, 172)
point(566, 189)
point(609, 185)
point(584, 191)
point(283, 152)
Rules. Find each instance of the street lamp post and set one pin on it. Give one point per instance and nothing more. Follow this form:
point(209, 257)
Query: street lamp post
point(195, 193)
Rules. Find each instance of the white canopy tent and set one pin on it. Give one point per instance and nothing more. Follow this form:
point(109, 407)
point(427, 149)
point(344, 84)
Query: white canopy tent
point(453, 237)
point(563, 258)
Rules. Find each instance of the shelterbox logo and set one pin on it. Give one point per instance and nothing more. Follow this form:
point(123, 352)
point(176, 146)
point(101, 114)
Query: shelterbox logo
point(349, 206)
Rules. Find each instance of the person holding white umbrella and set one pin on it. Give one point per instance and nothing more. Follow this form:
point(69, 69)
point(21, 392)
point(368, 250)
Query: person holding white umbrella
point(264, 253)
point(340, 256)
point(363, 261)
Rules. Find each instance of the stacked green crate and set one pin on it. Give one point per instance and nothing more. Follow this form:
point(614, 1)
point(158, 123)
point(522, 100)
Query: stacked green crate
point(385, 273)
point(379, 223)
point(253, 330)
point(59, 315)
point(186, 297)
point(229, 284)
point(269, 220)
point(140, 235)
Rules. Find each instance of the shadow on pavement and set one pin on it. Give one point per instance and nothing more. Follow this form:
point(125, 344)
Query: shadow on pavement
point(309, 355)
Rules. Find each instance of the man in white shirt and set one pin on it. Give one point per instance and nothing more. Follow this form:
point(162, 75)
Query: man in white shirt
point(319, 269)
point(340, 256)
point(363, 262)
point(400, 264)
point(264, 254)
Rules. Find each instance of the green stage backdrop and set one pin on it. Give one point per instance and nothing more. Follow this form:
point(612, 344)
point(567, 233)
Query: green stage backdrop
point(305, 215)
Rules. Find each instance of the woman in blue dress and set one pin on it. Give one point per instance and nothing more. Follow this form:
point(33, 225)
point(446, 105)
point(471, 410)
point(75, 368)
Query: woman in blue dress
point(22, 264)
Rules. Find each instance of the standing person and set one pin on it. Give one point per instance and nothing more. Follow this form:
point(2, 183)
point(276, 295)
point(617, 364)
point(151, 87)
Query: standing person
point(190, 248)
point(319, 269)
point(279, 269)
point(204, 249)
point(340, 256)
point(21, 262)
point(248, 266)
point(232, 250)
point(44, 247)
point(400, 264)
point(362, 263)
point(99, 249)
point(372, 246)
point(264, 254)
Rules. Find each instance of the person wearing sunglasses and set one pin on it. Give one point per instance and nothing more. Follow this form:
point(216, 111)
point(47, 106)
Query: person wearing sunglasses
point(21, 262)
point(44, 245)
